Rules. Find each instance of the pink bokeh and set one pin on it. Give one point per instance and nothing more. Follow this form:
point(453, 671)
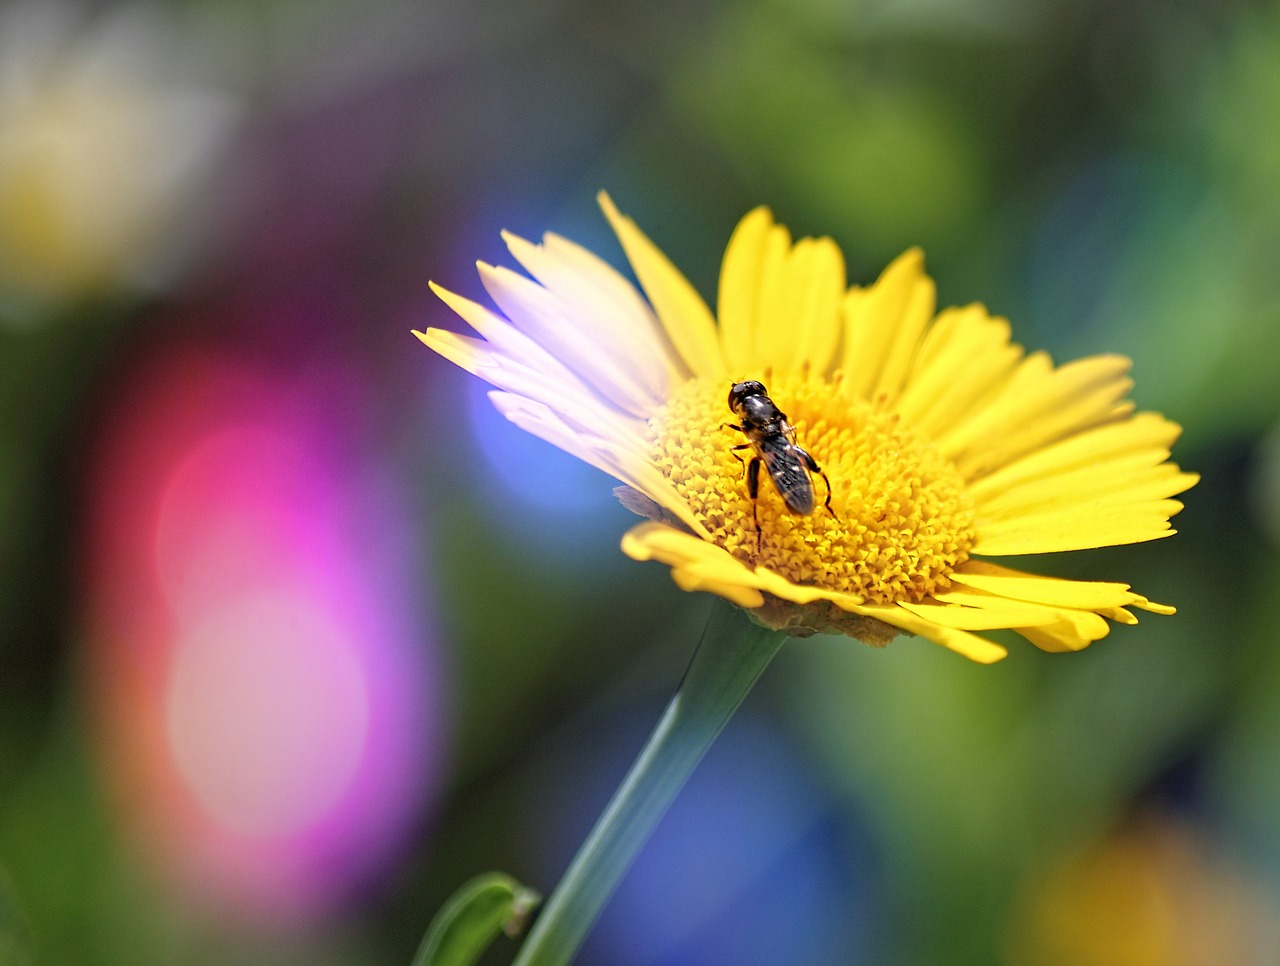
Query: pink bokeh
point(261, 662)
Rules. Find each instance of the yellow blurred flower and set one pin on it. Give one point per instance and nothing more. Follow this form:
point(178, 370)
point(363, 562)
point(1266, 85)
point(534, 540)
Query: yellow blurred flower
point(943, 442)
point(101, 149)
point(1151, 894)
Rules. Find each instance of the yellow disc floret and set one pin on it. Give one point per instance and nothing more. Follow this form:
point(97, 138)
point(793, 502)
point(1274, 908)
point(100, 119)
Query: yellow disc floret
point(902, 519)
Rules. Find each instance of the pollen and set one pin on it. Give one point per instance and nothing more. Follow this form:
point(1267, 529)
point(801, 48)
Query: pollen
point(901, 518)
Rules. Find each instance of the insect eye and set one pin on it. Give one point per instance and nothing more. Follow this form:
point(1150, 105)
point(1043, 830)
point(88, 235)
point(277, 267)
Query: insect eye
point(741, 390)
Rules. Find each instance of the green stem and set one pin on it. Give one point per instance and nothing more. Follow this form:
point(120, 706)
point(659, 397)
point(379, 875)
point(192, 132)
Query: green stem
point(729, 659)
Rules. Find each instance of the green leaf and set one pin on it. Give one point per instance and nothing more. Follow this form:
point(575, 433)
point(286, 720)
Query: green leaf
point(473, 916)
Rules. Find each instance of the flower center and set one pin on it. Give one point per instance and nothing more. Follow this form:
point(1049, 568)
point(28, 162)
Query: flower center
point(901, 519)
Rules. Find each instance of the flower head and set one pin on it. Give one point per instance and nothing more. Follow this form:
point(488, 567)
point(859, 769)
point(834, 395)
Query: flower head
point(943, 442)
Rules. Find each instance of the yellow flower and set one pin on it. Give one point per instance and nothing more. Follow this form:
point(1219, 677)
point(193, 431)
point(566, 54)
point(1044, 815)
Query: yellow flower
point(1152, 893)
point(944, 442)
point(104, 145)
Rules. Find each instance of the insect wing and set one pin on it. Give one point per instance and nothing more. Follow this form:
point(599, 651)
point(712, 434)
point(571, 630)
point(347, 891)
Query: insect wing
point(787, 429)
point(788, 473)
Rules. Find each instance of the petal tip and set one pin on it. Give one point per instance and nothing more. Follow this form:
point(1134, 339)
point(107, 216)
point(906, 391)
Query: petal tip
point(759, 218)
point(1153, 607)
point(914, 257)
point(994, 655)
point(515, 242)
point(607, 206)
point(635, 547)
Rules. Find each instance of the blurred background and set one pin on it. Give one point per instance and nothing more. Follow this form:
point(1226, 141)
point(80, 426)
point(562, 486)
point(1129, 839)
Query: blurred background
point(297, 634)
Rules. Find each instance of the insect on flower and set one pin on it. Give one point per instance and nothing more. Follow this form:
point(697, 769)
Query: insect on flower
point(954, 443)
point(773, 440)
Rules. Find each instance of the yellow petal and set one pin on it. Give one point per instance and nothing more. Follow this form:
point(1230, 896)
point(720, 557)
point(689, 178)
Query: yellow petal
point(710, 567)
point(565, 396)
point(539, 420)
point(635, 471)
point(962, 642)
point(1019, 612)
point(779, 303)
point(779, 586)
point(735, 593)
point(539, 314)
point(658, 541)
point(1038, 406)
point(1148, 435)
point(1077, 397)
point(1074, 633)
point(502, 335)
point(741, 273)
point(1051, 628)
point(822, 273)
point(1079, 528)
point(463, 351)
point(883, 328)
point(1118, 614)
point(1117, 482)
point(1053, 591)
point(685, 316)
point(980, 420)
point(695, 563)
point(965, 357)
point(770, 302)
point(601, 307)
point(953, 613)
point(799, 323)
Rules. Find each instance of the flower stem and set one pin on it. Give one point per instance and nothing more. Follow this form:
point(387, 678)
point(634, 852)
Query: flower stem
point(727, 662)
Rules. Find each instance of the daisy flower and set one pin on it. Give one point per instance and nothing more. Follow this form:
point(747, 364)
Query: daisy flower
point(945, 443)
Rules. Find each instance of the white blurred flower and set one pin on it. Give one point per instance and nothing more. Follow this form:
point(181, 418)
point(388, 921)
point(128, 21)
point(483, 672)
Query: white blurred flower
point(103, 147)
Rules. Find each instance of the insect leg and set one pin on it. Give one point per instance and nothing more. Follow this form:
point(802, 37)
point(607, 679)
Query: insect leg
point(733, 452)
point(732, 426)
point(753, 490)
point(827, 501)
point(813, 467)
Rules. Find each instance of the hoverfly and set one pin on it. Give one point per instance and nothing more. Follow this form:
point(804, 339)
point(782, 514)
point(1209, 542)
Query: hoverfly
point(773, 441)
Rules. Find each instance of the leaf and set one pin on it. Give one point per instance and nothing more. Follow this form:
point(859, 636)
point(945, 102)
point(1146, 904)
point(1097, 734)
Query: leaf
point(473, 916)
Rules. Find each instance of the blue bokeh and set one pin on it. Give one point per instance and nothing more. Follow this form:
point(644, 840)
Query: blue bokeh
point(753, 866)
